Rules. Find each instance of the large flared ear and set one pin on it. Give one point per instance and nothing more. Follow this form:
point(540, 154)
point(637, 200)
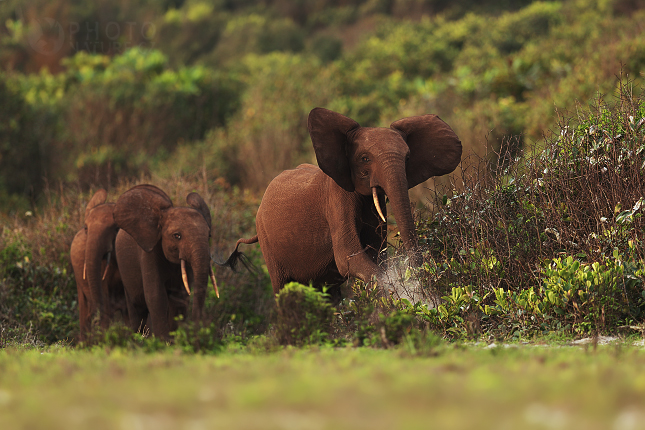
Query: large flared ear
point(435, 149)
point(329, 133)
point(139, 212)
point(196, 201)
point(98, 198)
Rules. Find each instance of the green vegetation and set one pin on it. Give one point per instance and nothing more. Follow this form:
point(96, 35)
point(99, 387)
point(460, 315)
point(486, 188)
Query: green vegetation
point(538, 233)
point(536, 240)
point(99, 92)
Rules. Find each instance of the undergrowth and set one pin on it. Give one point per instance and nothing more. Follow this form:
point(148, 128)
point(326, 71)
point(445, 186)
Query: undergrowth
point(548, 242)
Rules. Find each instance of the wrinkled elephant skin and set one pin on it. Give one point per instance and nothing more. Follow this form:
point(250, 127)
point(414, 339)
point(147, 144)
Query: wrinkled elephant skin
point(324, 224)
point(155, 238)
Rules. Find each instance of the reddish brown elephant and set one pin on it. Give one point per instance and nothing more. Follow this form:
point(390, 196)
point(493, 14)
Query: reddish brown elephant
point(164, 256)
point(324, 224)
point(98, 280)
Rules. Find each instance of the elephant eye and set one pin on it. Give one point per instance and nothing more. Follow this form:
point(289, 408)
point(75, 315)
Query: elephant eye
point(177, 236)
point(365, 159)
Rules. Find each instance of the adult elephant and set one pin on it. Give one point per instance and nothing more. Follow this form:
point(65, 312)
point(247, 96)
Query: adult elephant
point(164, 256)
point(324, 224)
point(98, 280)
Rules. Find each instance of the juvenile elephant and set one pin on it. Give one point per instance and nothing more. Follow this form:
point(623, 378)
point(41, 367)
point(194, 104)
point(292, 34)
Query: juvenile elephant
point(162, 252)
point(324, 224)
point(98, 280)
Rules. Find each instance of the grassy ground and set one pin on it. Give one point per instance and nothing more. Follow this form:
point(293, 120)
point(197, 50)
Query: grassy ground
point(457, 386)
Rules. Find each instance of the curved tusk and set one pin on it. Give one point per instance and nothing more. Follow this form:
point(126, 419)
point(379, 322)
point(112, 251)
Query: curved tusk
point(214, 283)
point(184, 277)
point(378, 206)
point(83, 270)
point(107, 266)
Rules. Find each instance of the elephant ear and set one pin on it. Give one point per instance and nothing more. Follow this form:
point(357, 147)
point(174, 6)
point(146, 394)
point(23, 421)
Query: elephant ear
point(98, 198)
point(435, 149)
point(139, 212)
point(196, 201)
point(329, 133)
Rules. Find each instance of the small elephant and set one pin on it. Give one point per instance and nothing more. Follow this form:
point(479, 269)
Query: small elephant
point(164, 256)
point(324, 224)
point(98, 280)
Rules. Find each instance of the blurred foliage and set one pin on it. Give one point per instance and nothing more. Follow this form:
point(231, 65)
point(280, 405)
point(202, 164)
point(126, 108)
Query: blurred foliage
point(304, 315)
point(107, 90)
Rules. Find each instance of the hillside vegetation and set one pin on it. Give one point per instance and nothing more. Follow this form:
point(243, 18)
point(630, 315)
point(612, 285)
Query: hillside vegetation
point(97, 92)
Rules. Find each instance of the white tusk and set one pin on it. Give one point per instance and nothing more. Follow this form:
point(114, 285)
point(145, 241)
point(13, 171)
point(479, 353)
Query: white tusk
point(184, 277)
point(214, 283)
point(83, 270)
point(107, 266)
point(378, 206)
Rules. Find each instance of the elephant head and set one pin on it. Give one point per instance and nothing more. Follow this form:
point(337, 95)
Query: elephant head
point(100, 232)
point(180, 234)
point(372, 161)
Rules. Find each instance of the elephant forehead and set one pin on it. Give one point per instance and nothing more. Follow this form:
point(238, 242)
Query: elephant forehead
point(379, 138)
point(185, 219)
point(101, 214)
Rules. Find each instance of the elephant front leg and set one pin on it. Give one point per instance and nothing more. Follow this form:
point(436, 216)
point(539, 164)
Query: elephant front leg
point(351, 257)
point(84, 315)
point(157, 302)
point(347, 224)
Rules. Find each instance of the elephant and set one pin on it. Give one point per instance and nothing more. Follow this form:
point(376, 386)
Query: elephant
point(162, 252)
point(98, 280)
point(324, 224)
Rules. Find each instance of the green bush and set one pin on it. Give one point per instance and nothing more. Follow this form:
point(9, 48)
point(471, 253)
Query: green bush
point(550, 242)
point(304, 315)
point(191, 337)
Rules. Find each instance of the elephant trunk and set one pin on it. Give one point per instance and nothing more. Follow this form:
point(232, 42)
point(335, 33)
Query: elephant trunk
point(94, 252)
point(396, 189)
point(199, 261)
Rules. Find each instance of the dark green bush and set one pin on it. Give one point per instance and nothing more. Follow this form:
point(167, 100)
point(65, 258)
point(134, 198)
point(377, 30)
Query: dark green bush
point(304, 315)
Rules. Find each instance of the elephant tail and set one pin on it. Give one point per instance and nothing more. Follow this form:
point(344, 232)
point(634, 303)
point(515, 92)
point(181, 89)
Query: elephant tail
point(237, 256)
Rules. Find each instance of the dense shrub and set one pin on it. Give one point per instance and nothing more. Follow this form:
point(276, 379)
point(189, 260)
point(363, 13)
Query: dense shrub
point(556, 235)
point(304, 315)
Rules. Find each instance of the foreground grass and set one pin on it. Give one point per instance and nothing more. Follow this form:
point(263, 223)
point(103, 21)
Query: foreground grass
point(460, 387)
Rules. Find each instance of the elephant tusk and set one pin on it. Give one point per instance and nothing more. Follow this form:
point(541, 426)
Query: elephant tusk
point(107, 266)
point(214, 282)
point(378, 206)
point(83, 270)
point(184, 277)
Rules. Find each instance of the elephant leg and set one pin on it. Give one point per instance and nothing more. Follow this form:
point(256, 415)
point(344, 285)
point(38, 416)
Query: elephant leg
point(277, 274)
point(156, 297)
point(84, 315)
point(159, 315)
point(278, 278)
point(137, 313)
